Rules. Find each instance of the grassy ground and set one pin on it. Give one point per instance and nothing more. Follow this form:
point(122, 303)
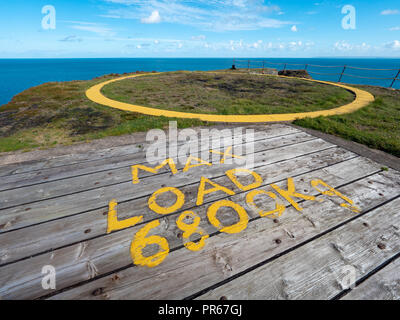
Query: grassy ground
point(228, 93)
point(377, 125)
point(59, 113)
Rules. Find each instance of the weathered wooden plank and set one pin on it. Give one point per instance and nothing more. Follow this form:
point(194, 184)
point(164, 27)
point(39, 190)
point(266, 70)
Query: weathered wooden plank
point(117, 151)
point(184, 273)
point(383, 285)
point(25, 215)
point(60, 161)
point(113, 143)
point(99, 256)
point(33, 193)
point(315, 271)
point(18, 244)
point(136, 155)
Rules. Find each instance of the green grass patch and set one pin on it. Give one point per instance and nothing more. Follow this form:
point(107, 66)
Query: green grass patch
point(227, 93)
point(59, 113)
point(377, 125)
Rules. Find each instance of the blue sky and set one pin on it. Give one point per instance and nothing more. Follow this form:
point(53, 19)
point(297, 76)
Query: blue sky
point(203, 28)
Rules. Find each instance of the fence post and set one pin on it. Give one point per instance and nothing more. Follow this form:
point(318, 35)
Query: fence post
point(284, 68)
point(395, 79)
point(263, 67)
point(341, 76)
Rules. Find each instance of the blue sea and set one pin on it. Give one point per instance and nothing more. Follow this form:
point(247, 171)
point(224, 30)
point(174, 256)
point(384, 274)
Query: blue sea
point(17, 75)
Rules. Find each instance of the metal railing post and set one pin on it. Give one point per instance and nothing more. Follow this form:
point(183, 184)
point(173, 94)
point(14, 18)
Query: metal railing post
point(341, 76)
point(263, 67)
point(284, 68)
point(248, 65)
point(395, 79)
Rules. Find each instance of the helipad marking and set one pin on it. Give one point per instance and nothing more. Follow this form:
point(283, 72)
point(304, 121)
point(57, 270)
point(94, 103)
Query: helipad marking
point(363, 98)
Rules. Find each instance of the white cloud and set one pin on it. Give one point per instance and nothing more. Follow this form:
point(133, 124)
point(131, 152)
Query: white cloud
point(365, 46)
point(153, 18)
point(242, 47)
point(199, 38)
point(390, 12)
point(345, 46)
point(295, 45)
point(239, 45)
point(294, 28)
point(257, 44)
point(92, 27)
point(222, 15)
point(72, 38)
point(393, 45)
point(395, 29)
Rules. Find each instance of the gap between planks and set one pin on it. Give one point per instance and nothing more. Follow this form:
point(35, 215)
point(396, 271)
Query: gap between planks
point(309, 271)
point(121, 235)
point(46, 210)
point(18, 243)
point(59, 161)
point(381, 284)
point(73, 185)
point(117, 162)
point(187, 272)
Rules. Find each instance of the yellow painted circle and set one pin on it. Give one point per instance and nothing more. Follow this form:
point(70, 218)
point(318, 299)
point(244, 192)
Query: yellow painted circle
point(236, 228)
point(279, 206)
point(190, 229)
point(363, 98)
point(142, 240)
point(180, 201)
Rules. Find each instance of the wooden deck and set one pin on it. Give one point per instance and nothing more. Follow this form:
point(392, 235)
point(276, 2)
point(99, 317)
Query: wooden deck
point(342, 220)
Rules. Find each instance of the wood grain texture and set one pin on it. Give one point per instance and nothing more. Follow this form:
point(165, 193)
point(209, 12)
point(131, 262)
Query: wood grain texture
point(112, 159)
point(54, 212)
point(383, 285)
point(315, 270)
point(71, 159)
point(81, 227)
point(42, 211)
point(111, 252)
point(108, 177)
point(185, 273)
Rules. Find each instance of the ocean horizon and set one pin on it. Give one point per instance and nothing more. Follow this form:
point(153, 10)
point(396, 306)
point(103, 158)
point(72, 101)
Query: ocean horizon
point(17, 75)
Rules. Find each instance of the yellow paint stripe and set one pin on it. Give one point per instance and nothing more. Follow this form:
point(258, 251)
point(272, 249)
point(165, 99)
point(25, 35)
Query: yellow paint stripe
point(363, 98)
